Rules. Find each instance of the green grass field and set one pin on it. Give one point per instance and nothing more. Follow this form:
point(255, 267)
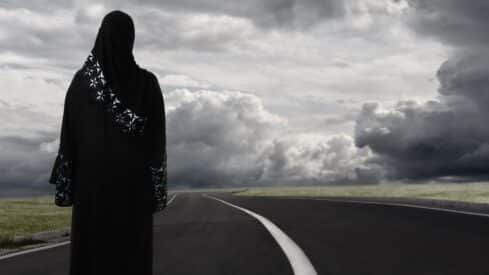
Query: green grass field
point(21, 216)
point(473, 192)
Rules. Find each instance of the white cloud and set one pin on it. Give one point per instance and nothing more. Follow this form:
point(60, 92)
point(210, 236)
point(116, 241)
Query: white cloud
point(183, 81)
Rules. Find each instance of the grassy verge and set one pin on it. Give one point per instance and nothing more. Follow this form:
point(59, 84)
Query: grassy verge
point(28, 215)
point(473, 192)
point(9, 242)
point(22, 216)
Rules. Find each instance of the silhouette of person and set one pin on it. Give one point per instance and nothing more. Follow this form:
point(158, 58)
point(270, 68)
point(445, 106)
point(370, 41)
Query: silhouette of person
point(111, 162)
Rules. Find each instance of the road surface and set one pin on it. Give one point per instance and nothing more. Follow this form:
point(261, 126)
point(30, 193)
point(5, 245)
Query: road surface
point(219, 233)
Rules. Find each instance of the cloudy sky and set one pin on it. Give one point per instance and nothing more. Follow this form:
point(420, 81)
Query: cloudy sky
point(267, 92)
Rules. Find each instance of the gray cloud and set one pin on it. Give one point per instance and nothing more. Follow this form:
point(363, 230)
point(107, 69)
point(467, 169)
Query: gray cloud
point(214, 138)
point(320, 160)
point(267, 14)
point(40, 5)
point(447, 136)
point(460, 23)
point(162, 29)
point(228, 138)
point(24, 165)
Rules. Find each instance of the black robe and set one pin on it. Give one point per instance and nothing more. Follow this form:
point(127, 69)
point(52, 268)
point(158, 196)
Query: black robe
point(111, 167)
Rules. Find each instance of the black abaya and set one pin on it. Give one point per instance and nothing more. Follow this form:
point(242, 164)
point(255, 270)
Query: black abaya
point(112, 154)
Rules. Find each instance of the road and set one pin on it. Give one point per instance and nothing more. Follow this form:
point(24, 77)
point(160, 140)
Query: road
point(219, 233)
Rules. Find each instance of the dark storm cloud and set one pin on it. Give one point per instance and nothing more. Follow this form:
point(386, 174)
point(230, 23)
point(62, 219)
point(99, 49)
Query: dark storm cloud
point(24, 164)
point(447, 136)
point(26, 148)
point(460, 23)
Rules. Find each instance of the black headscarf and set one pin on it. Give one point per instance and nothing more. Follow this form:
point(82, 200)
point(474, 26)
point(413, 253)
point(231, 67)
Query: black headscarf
point(113, 50)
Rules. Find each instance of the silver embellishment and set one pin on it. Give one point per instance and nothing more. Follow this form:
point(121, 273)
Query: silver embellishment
point(128, 121)
point(62, 180)
point(159, 180)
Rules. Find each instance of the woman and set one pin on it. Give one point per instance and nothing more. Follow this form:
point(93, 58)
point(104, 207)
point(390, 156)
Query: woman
point(111, 162)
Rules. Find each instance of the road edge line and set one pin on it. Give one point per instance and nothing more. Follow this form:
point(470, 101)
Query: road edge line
point(406, 205)
point(300, 263)
point(18, 253)
point(172, 198)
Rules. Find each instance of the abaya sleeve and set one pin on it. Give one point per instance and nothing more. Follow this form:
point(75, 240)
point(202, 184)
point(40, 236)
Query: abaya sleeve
point(62, 170)
point(157, 141)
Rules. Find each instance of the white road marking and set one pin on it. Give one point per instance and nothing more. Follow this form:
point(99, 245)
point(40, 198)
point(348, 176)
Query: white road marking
point(172, 198)
point(386, 204)
point(297, 258)
point(33, 250)
point(22, 252)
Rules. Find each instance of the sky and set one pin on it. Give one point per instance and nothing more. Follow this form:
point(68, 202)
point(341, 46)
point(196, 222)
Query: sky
point(267, 92)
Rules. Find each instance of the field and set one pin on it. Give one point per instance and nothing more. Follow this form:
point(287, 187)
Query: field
point(473, 192)
point(22, 216)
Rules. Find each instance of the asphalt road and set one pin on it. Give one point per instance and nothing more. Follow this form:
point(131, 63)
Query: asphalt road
point(224, 234)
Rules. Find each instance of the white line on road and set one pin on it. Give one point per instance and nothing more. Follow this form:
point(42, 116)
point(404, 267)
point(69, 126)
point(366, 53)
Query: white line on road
point(297, 258)
point(33, 250)
point(51, 246)
point(172, 198)
point(386, 204)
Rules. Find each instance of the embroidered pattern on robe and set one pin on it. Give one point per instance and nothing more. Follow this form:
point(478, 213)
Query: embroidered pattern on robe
point(159, 179)
point(62, 178)
point(127, 120)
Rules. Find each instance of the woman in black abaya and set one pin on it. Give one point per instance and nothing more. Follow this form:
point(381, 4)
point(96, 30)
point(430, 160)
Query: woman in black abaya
point(111, 162)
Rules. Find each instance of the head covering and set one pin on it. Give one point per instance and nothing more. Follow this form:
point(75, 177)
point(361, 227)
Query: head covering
point(114, 78)
point(113, 50)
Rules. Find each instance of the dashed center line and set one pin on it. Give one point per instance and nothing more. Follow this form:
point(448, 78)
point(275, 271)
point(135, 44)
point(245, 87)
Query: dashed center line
point(300, 263)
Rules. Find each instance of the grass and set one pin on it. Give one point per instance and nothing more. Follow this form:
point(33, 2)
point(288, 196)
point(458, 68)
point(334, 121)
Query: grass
point(471, 192)
point(9, 242)
point(28, 215)
point(22, 216)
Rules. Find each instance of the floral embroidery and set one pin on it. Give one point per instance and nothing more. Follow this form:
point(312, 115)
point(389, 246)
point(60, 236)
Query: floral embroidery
point(158, 177)
point(62, 179)
point(126, 119)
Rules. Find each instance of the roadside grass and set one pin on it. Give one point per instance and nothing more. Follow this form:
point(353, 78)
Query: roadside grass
point(9, 242)
point(23, 216)
point(28, 215)
point(467, 192)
